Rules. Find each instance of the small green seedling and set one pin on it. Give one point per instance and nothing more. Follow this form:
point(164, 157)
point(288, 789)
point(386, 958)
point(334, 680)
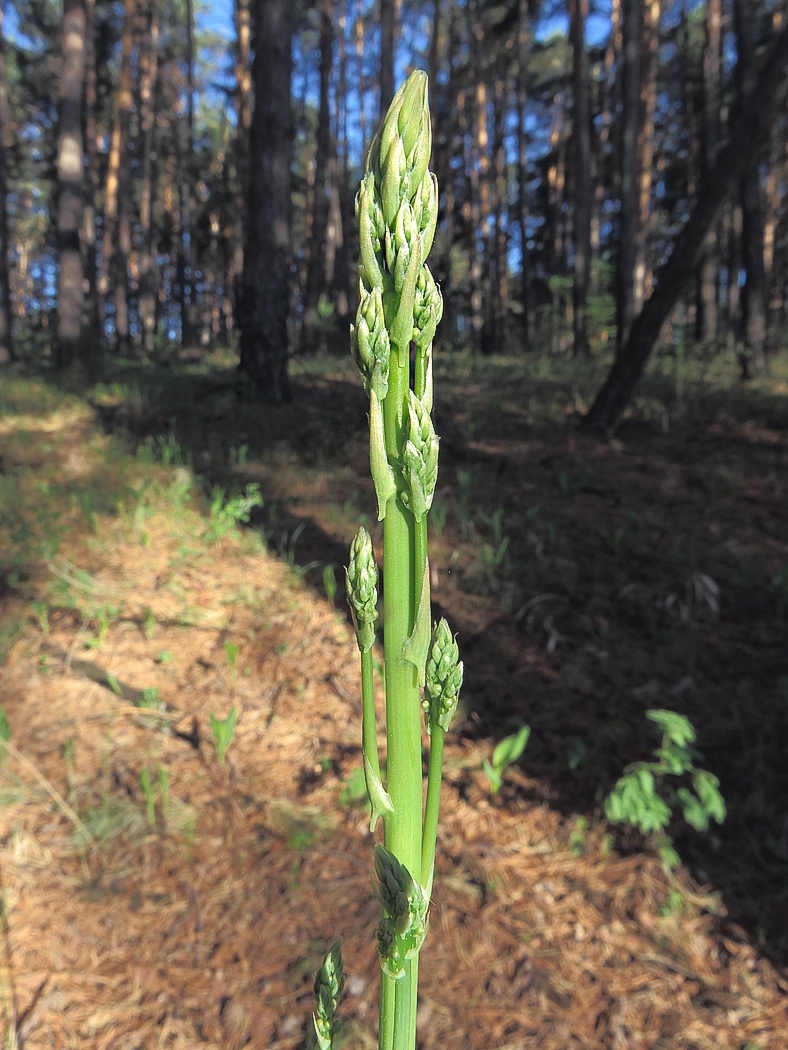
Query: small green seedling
point(42, 615)
point(504, 755)
point(150, 800)
point(232, 655)
point(5, 734)
point(223, 733)
point(329, 582)
point(644, 799)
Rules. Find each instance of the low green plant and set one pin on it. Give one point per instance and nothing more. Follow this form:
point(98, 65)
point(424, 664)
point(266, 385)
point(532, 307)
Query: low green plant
point(149, 796)
point(232, 655)
point(5, 735)
point(645, 796)
point(223, 732)
point(224, 514)
point(505, 754)
point(329, 582)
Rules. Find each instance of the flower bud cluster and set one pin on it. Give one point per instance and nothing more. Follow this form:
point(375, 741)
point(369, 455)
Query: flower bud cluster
point(370, 341)
point(443, 678)
point(329, 982)
point(419, 459)
point(402, 929)
point(361, 584)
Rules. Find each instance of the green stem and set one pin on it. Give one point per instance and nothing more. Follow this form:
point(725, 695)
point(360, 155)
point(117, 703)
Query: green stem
point(369, 734)
point(388, 993)
point(403, 710)
point(432, 808)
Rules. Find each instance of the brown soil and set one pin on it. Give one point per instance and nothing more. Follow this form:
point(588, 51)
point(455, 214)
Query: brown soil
point(201, 922)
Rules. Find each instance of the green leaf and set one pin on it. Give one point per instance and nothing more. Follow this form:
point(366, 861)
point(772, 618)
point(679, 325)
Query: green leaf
point(510, 748)
point(417, 647)
point(495, 778)
point(676, 727)
point(707, 787)
point(694, 811)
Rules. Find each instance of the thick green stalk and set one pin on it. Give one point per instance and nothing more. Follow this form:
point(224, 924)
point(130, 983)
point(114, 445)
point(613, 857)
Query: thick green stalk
point(432, 809)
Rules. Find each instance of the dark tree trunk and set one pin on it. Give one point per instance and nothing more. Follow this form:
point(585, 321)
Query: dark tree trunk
point(243, 112)
point(707, 321)
point(70, 170)
point(749, 131)
point(267, 251)
point(148, 271)
point(6, 343)
point(753, 294)
point(631, 12)
point(523, 54)
point(581, 137)
point(316, 267)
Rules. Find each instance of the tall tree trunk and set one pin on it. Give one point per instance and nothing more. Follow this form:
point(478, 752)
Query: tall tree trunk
point(243, 113)
point(6, 340)
point(117, 159)
point(523, 55)
point(648, 105)
point(91, 326)
point(581, 137)
point(748, 133)
point(148, 270)
point(358, 34)
point(605, 178)
point(707, 320)
point(316, 266)
point(267, 251)
point(388, 23)
point(479, 184)
point(631, 12)
point(69, 179)
point(754, 296)
point(190, 321)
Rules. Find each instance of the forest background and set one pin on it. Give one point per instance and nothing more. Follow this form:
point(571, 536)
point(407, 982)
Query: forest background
point(592, 160)
point(608, 536)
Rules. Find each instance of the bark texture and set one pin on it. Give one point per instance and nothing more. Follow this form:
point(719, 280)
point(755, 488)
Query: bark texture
point(266, 273)
point(70, 168)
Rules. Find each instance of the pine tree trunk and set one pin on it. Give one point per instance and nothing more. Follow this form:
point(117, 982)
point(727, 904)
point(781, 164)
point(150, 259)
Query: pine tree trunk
point(148, 269)
point(748, 133)
point(267, 251)
point(69, 180)
point(316, 247)
point(581, 137)
point(648, 105)
point(523, 55)
point(6, 339)
point(190, 320)
point(631, 12)
point(707, 321)
point(117, 160)
point(754, 295)
point(243, 113)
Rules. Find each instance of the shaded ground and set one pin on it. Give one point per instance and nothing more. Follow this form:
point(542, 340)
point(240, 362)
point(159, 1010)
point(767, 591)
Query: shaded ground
point(589, 582)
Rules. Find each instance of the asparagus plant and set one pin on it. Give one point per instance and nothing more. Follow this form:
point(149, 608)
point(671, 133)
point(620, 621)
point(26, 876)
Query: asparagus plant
point(399, 309)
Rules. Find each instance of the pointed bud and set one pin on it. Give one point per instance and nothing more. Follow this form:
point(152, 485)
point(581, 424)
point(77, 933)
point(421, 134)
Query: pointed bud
point(329, 981)
point(427, 309)
point(443, 678)
point(420, 459)
point(361, 583)
point(370, 343)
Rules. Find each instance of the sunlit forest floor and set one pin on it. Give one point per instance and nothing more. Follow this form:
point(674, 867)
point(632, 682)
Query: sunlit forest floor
point(155, 897)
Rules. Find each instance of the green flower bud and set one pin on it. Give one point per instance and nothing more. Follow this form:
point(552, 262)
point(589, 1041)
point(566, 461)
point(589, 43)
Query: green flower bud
point(425, 208)
point(443, 678)
point(393, 181)
point(403, 900)
point(427, 309)
point(370, 236)
point(329, 981)
point(370, 343)
point(361, 583)
point(419, 459)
